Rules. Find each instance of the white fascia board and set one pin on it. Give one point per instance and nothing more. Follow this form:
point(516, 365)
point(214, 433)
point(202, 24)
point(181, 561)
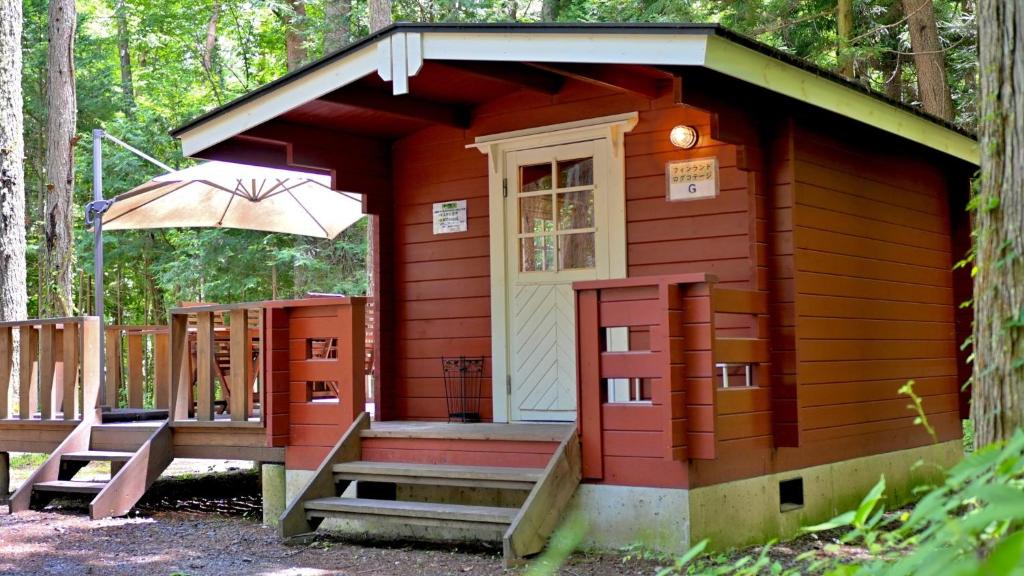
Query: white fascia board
point(289, 95)
point(625, 48)
point(762, 70)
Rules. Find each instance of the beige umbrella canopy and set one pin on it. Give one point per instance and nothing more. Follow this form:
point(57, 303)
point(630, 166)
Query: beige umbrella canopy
point(225, 195)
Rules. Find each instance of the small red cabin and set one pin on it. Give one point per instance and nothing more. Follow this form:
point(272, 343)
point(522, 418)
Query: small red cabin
point(699, 271)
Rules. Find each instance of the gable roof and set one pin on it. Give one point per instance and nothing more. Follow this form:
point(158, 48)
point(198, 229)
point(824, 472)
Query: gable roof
point(397, 52)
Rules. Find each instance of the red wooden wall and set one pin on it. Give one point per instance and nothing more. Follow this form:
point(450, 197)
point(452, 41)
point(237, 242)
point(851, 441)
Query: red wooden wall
point(844, 231)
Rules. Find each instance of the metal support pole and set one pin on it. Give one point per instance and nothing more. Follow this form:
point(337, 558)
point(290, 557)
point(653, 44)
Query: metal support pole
point(97, 197)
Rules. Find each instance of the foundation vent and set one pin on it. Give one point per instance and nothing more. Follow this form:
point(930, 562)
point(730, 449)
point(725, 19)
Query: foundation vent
point(791, 494)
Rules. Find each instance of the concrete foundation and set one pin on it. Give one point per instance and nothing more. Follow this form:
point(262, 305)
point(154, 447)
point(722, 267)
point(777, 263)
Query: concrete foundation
point(748, 512)
point(273, 482)
point(619, 516)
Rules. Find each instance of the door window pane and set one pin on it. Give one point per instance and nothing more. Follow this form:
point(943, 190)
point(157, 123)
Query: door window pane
point(535, 214)
point(536, 254)
point(576, 210)
point(576, 251)
point(579, 172)
point(535, 177)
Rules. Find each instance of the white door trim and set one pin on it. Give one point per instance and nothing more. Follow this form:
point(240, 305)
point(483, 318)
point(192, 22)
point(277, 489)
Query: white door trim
point(608, 128)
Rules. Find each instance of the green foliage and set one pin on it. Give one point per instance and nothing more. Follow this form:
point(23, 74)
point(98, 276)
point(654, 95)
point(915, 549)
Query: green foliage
point(970, 525)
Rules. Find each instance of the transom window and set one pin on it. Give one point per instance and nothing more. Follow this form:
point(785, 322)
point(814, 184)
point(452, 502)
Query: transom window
point(556, 216)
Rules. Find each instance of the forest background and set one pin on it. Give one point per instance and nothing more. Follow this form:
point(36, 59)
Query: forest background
point(142, 67)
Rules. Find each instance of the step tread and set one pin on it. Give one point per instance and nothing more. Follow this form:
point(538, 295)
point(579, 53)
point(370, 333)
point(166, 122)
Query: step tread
point(403, 469)
point(460, 512)
point(71, 486)
point(98, 456)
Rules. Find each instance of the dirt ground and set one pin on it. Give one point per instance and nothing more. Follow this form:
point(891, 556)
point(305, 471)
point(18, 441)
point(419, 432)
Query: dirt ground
point(209, 524)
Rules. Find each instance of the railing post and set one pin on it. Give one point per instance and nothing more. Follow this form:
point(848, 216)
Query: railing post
point(162, 370)
point(69, 399)
point(6, 365)
point(135, 377)
point(241, 365)
point(47, 364)
point(353, 356)
point(204, 366)
point(90, 367)
point(28, 392)
point(181, 380)
point(112, 343)
point(588, 359)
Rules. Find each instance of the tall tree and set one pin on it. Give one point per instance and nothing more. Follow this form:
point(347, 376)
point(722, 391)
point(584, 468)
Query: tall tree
point(295, 34)
point(929, 58)
point(380, 14)
point(998, 395)
point(337, 17)
point(844, 29)
point(549, 10)
point(62, 114)
point(124, 57)
point(13, 298)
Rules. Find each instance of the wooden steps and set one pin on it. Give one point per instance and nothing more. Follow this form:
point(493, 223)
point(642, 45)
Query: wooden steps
point(413, 513)
point(97, 456)
point(137, 452)
point(439, 474)
point(446, 481)
point(70, 487)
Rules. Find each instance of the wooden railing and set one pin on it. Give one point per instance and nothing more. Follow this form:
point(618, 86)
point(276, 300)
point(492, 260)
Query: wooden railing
point(147, 360)
point(58, 363)
point(215, 354)
point(659, 338)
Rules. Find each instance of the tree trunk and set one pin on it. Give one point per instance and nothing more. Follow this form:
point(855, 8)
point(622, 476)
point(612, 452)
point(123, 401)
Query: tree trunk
point(998, 384)
point(295, 35)
point(844, 28)
point(210, 46)
point(13, 298)
point(124, 54)
point(380, 14)
point(929, 58)
point(890, 61)
point(62, 115)
point(337, 15)
point(549, 10)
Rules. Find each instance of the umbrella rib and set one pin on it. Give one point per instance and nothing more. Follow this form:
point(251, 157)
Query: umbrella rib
point(283, 188)
point(150, 201)
point(315, 221)
point(231, 199)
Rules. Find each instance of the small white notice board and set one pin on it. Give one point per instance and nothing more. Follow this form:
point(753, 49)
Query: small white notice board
point(450, 217)
point(692, 179)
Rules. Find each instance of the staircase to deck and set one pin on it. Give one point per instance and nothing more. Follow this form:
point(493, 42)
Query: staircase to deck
point(490, 482)
point(137, 451)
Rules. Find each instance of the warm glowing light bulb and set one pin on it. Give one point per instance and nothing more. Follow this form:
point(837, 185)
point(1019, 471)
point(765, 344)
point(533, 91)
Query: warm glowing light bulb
point(683, 136)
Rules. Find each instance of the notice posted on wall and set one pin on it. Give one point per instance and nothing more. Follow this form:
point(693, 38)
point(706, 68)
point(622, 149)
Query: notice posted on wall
point(692, 179)
point(450, 217)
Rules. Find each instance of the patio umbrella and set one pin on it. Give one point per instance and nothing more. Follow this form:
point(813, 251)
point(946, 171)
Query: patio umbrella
point(225, 195)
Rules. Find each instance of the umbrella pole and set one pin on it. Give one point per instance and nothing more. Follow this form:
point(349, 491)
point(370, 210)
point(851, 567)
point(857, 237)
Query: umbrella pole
point(96, 209)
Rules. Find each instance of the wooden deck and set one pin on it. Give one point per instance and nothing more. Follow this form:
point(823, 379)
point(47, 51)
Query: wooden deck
point(475, 431)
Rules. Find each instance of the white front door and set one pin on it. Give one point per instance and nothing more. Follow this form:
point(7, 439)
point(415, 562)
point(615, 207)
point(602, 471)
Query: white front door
point(556, 232)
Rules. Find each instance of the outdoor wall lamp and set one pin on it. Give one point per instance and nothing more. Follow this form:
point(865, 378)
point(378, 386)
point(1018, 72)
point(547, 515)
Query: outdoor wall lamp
point(684, 137)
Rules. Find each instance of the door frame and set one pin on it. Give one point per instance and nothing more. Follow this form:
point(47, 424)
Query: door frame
point(610, 130)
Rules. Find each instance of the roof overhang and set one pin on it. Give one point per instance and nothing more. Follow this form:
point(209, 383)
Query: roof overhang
point(397, 54)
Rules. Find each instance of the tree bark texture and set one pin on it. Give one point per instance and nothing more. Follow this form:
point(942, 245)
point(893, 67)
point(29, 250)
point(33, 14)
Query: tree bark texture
point(844, 29)
point(124, 57)
point(998, 384)
point(549, 10)
point(210, 46)
point(62, 114)
point(295, 34)
point(13, 298)
point(380, 14)
point(929, 58)
point(337, 14)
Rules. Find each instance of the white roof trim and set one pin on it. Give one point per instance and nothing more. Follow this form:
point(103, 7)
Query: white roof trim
point(713, 52)
point(773, 74)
